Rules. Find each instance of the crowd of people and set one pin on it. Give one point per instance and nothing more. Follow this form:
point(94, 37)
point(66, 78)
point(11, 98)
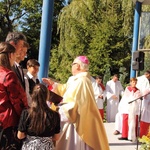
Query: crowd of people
point(82, 125)
point(129, 108)
point(28, 121)
point(132, 119)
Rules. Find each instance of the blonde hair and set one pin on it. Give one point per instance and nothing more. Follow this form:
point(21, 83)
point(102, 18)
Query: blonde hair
point(133, 79)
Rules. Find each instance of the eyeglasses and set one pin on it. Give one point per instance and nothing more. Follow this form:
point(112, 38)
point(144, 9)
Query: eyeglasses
point(73, 64)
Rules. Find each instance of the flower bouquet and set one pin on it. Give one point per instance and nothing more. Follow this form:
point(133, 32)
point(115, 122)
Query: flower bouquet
point(145, 140)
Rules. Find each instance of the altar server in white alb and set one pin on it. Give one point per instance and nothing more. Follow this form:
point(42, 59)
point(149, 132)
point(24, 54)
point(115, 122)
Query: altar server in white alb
point(113, 90)
point(144, 86)
point(129, 109)
point(100, 95)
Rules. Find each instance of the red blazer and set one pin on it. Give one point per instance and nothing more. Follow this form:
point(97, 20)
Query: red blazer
point(12, 98)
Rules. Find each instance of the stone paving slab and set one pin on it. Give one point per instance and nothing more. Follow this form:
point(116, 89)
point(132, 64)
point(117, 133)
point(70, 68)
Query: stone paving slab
point(116, 144)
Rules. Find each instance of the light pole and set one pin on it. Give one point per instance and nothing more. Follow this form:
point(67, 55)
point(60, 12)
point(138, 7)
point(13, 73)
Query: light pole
point(45, 37)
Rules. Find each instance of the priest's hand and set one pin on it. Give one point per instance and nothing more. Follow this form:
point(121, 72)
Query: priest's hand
point(101, 96)
point(48, 81)
point(114, 97)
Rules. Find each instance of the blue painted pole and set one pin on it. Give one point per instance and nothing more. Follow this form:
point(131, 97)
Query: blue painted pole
point(45, 37)
point(135, 34)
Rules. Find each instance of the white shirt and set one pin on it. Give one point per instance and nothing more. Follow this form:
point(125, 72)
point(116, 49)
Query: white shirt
point(27, 86)
point(143, 85)
point(99, 92)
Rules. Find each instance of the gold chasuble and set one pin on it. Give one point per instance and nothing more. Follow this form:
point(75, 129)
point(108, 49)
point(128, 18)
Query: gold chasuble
point(82, 112)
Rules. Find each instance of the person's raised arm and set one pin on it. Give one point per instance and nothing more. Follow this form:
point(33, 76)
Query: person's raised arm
point(48, 81)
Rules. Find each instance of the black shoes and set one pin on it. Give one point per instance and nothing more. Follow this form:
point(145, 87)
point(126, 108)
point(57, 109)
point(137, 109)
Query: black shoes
point(122, 138)
point(130, 140)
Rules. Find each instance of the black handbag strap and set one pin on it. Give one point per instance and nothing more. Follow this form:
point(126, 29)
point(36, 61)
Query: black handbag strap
point(1, 133)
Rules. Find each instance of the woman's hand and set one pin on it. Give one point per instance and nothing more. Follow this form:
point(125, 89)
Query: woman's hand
point(21, 135)
point(101, 96)
point(114, 97)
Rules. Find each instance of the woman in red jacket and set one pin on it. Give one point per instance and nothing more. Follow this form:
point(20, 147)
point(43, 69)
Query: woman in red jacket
point(12, 99)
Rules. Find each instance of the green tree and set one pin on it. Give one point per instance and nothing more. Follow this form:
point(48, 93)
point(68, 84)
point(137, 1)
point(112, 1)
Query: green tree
point(10, 13)
point(25, 16)
point(31, 24)
point(102, 30)
point(117, 28)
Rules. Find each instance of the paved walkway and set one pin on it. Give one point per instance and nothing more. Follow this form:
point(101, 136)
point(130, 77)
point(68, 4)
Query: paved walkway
point(116, 144)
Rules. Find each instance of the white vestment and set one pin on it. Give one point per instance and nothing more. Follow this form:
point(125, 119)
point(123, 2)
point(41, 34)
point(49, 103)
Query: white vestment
point(99, 101)
point(144, 86)
point(118, 122)
point(113, 88)
point(132, 109)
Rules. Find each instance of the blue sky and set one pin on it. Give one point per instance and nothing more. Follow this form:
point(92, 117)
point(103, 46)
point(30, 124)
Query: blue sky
point(66, 1)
